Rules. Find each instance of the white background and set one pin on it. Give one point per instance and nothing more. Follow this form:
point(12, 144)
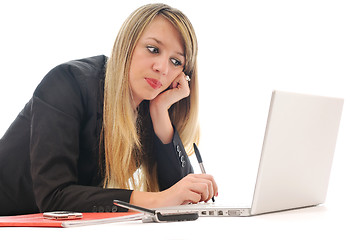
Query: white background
point(246, 49)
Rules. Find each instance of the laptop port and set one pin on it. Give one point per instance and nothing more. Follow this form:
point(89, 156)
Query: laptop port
point(234, 213)
point(220, 213)
point(203, 213)
point(211, 213)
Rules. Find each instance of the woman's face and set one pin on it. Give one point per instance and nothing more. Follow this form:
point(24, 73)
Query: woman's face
point(157, 60)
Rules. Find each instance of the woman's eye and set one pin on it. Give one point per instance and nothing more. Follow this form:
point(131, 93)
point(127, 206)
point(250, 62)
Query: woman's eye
point(153, 49)
point(176, 62)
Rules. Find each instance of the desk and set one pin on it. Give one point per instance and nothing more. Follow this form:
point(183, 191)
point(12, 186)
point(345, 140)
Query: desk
point(320, 222)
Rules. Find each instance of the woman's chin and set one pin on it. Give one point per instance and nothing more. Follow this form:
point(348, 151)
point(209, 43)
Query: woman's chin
point(151, 97)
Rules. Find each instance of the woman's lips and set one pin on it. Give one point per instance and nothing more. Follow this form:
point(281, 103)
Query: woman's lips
point(154, 83)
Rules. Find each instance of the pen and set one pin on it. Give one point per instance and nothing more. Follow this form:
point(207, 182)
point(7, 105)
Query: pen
point(199, 159)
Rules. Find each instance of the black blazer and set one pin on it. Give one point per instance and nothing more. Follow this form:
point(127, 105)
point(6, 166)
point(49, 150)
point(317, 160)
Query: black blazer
point(49, 156)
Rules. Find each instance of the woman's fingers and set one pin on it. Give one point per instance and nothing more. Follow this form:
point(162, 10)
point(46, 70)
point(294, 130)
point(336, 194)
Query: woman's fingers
point(192, 197)
point(181, 85)
point(178, 90)
point(210, 181)
point(202, 184)
point(203, 190)
point(193, 188)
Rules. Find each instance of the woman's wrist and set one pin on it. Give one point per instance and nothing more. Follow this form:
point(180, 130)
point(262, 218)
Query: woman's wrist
point(161, 123)
point(146, 199)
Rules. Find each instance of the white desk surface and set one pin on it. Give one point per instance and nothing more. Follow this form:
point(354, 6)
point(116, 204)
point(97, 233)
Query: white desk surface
point(318, 222)
point(255, 60)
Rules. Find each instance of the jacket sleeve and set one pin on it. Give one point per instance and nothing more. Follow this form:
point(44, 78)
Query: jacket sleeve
point(172, 161)
point(57, 113)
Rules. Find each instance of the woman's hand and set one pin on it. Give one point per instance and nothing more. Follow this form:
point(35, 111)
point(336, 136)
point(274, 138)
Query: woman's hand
point(159, 106)
point(193, 188)
point(178, 90)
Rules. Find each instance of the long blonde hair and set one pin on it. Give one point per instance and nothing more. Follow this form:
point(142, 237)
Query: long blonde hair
point(126, 147)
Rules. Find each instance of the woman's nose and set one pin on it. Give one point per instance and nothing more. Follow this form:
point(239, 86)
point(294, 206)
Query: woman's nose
point(161, 65)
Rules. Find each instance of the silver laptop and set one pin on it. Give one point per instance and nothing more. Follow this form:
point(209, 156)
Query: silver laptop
point(296, 159)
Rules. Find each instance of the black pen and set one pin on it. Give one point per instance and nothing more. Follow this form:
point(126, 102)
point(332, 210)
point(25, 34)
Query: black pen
point(199, 158)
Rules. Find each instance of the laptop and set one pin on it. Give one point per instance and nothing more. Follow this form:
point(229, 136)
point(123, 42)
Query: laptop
point(296, 158)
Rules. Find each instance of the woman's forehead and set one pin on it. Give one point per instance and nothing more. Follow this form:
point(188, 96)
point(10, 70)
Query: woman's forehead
point(163, 32)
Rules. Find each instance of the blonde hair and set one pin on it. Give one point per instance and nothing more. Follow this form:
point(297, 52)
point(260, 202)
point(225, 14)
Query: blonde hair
point(125, 145)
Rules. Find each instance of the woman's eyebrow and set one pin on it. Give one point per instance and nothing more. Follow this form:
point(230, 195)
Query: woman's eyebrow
point(155, 39)
point(161, 43)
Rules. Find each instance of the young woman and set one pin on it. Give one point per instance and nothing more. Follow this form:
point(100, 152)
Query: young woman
point(100, 129)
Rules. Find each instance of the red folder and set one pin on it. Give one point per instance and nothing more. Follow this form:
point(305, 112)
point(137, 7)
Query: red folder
point(37, 220)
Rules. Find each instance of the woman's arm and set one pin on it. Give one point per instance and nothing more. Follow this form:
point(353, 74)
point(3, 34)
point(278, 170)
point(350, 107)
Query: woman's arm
point(159, 106)
point(161, 123)
point(54, 155)
point(172, 161)
point(58, 117)
point(173, 165)
point(191, 189)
